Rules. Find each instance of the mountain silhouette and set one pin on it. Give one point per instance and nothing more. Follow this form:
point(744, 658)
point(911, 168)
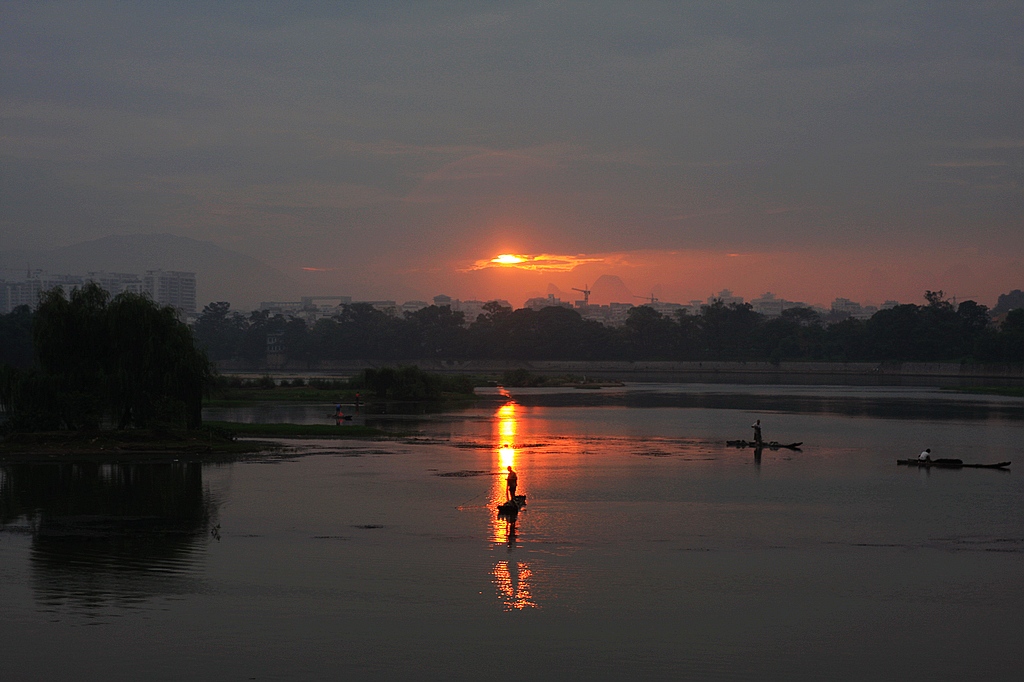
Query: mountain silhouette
point(610, 289)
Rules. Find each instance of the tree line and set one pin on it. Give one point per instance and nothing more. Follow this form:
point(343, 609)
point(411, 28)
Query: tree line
point(85, 361)
point(937, 331)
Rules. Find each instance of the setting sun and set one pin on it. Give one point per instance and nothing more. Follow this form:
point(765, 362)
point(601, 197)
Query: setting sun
point(542, 262)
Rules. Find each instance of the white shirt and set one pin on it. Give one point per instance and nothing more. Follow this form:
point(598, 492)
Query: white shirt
point(924, 455)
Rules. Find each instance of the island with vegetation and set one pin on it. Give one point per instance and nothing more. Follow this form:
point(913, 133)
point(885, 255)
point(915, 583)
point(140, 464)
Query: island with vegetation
point(122, 377)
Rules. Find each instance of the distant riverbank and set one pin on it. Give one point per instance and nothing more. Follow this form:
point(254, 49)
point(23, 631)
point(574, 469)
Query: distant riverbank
point(215, 441)
point(940, 374)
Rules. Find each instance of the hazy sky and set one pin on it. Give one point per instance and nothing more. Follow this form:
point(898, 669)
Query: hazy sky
point(815, 149)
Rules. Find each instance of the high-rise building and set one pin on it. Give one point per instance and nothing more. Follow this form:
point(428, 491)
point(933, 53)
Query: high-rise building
point(169, 287)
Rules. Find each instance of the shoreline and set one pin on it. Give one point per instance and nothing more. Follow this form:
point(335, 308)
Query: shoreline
point(216, 441)
point(942, 374)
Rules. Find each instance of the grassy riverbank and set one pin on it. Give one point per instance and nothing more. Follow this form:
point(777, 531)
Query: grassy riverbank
point(214, 441)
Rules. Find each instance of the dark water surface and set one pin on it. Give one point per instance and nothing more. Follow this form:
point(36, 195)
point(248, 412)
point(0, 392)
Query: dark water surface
point(648, 550)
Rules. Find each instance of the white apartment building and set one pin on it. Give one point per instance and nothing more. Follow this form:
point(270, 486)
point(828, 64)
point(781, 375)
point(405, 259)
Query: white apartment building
point(176, 289)
point(173, 288)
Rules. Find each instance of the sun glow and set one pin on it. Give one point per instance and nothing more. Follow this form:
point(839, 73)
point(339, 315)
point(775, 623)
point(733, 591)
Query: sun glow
point(541, 262)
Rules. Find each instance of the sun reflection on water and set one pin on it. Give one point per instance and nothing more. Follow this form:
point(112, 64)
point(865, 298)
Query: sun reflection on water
point(511, 578)
point(512, 581)
point(506, 431)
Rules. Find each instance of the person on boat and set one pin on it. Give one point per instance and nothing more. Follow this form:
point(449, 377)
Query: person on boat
point(757, 431)
point(925, 456)
point(510, 484)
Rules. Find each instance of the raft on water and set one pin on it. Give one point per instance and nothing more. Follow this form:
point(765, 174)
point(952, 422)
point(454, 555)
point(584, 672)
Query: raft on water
point(770, 444)
point(512, 507)
point(947, 463)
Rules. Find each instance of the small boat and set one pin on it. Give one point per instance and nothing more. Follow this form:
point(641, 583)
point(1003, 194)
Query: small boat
point(947, 463)
point(512, 507)
point(770, 444)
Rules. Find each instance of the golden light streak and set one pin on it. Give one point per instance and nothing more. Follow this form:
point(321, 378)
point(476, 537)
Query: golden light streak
point(512, 581)
point(508, 428)
point(506, 433)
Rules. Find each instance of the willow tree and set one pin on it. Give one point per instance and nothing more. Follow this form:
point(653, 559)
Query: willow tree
point(123, 362)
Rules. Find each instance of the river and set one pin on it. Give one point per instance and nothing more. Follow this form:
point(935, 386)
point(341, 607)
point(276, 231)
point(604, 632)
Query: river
point(648, 548)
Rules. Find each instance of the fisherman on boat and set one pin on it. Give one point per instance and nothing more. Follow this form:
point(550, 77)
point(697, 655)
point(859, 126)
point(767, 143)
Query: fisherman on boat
point(510, 484)
point(757, 431)
point(925, 456)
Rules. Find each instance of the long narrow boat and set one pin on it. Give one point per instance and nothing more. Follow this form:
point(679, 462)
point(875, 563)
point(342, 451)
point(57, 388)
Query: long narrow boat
point(949, 464)
point(769, 444)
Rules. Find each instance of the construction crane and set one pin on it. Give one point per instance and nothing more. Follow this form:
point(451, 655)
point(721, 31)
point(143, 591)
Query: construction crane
point(650, 299)
point(586, 294)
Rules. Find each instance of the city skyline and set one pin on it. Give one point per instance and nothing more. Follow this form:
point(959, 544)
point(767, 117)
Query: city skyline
point(865, 150)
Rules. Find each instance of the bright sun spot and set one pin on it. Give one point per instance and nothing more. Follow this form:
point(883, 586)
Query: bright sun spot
point(508, 259)
point(543, 262)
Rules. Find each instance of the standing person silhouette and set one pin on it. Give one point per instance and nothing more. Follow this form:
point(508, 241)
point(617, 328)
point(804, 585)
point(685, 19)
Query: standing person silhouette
point(757, 432)
point(510, 484)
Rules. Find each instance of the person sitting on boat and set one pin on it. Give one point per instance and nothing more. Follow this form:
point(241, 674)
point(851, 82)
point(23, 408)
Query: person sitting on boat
point(757, 431)
point(510, 484)
point(925, 456)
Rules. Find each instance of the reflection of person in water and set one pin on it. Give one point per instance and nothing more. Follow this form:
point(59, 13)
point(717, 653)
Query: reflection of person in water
point(338, 414)
point(510, 484)
point(510, 532)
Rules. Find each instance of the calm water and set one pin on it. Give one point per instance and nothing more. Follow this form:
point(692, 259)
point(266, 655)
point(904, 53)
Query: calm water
point(648, 550)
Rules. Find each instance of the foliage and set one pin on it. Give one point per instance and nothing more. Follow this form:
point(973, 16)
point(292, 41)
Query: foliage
point(16, 337)
point(125, 362)
point(935, 332)
point(409, 383)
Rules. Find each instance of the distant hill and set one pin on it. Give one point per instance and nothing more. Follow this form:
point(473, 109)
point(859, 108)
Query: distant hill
point(610, 289)
point(221, 274)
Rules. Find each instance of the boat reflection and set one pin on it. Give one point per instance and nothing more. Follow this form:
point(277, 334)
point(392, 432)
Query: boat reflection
point(109, 534)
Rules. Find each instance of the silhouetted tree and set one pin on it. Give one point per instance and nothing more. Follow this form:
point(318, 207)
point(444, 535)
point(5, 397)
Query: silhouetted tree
point(219, 331)
point(1011, 336)
point(651, 335)
point(16, 337)
point(438, 332)
point(728, 330)
point(128, 362)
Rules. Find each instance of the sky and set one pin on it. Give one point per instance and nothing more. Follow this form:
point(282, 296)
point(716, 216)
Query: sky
point(869, 150)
